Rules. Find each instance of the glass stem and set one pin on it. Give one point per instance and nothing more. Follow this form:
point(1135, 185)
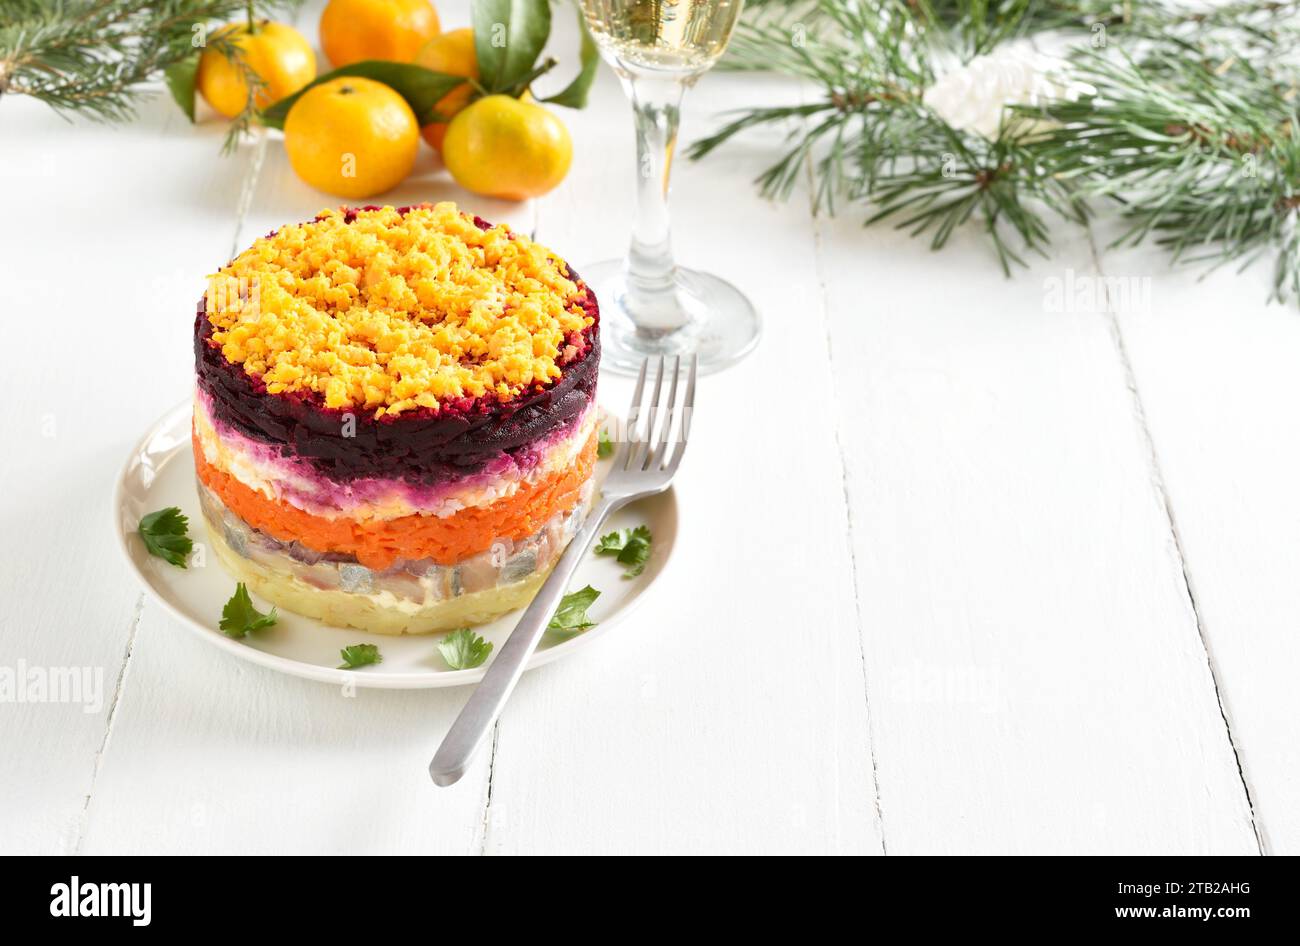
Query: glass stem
point(651, 297)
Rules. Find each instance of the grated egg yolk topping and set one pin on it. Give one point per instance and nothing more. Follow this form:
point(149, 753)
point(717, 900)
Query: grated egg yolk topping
point(395, 311)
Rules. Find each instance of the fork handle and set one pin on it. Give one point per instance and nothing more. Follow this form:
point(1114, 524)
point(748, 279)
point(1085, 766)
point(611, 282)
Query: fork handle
point(471, 728)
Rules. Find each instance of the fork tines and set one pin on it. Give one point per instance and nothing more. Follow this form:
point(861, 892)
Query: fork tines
point(641, 449)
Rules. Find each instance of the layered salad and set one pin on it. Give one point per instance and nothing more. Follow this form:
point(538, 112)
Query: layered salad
point(394, 420)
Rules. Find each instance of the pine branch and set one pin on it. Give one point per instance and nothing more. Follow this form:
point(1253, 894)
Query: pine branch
point(870, 138)
point(223, 42)
point(1199, 151)
point(1190, 126)
point(91, 57)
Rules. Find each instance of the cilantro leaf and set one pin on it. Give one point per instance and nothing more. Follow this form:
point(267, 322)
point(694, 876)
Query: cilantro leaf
point(239, 617)
point(360, 655)
point(463, 649)
point(632, 546)
point(165, 534)
point(604, 446)
point(571, 616)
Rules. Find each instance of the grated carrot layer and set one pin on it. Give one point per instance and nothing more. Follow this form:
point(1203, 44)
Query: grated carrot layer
point(378, 543)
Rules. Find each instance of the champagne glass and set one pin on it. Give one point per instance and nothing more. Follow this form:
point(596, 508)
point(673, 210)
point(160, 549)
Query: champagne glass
point(649, 305)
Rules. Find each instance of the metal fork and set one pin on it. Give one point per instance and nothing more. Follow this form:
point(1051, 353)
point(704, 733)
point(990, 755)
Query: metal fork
point(643, 466)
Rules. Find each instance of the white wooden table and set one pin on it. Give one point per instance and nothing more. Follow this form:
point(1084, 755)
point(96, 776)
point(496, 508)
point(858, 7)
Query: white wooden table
point(958, 574)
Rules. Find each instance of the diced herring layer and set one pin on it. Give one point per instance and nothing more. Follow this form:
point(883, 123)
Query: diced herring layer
point(407, 598)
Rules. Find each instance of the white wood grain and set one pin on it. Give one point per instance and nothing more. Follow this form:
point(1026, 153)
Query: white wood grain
point(212, 754)
point(1214, 366)
point(109, 231)
point(729, 715)
point(932, 586)
point(1037, 680)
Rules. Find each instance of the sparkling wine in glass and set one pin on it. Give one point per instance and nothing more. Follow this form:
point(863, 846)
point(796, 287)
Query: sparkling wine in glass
point(650, 305)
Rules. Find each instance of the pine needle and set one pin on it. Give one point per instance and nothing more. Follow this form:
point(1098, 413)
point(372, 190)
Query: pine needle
point(1191, 132)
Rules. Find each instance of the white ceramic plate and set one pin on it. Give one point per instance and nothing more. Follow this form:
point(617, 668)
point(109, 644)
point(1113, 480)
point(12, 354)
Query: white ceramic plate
point(160, 473)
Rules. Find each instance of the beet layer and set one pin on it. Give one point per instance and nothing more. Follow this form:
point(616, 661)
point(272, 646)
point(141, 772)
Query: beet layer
point(423, 446)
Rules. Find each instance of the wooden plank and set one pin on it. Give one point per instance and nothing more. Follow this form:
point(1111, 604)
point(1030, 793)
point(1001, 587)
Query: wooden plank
point(1215, 368)
point(729, 714)
point(1037, 680)
point(111, 230)
point(210, 754)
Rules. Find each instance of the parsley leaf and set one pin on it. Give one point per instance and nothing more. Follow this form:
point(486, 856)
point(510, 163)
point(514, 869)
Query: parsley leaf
point(604, 446)
point(632, 546)
point(463, 649)
point(360, 655)
point(239, 617)
point(571, 616)
point(165, 534)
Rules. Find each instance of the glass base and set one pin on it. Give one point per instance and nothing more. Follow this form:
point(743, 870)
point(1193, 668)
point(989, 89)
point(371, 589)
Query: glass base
point(716, 321)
